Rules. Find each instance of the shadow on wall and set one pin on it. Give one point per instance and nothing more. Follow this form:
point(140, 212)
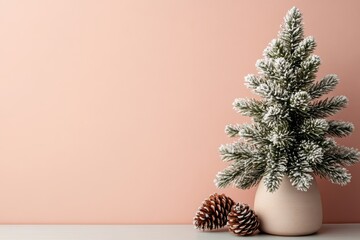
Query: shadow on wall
point(339, 202)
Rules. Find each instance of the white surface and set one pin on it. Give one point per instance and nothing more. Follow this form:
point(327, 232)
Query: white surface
point(153, 232)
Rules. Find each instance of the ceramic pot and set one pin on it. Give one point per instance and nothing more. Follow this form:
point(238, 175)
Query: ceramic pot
point(288, 211)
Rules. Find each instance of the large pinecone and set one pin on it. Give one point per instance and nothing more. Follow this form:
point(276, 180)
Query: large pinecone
point(242, 220)
point(213, 212)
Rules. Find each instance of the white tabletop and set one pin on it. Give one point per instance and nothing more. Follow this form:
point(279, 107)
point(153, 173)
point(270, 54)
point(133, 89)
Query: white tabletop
point(153, 232)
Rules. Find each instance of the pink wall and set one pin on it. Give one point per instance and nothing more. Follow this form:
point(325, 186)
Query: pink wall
point(113, 111)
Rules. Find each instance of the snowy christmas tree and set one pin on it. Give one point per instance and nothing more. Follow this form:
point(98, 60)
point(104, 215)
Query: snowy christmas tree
point(289, 134)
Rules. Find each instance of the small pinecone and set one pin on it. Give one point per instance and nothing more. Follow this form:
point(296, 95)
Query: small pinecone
point(213, 212)
point(242, 220)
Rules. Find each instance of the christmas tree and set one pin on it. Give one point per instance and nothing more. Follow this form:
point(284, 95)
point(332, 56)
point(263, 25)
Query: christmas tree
point(289, 135)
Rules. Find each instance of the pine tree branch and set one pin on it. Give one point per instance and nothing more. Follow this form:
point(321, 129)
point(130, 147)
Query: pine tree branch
point(284, 71)
point(253, 81)
point(232, 130)
point(236, 151)
point(327, 107)
point(249, 107)
point(299, 167)
point(241, 174)
point(299, 101)
point(324, 86)
point(292, 32)
point(276, 169)
point(250, 178)
point(228, 175)
point(310, 152)
point(276, 49)
point(254, 133)
point(326, 143)
point(314, 128)
point(344, 156)
point(266, 67)
point(305, 49)
point(276, 114)
point(307, 71)
point(272, 180)
point(273, 91)
point(335, 173)
point(339, 128)
point(280, 136)
point(300, 174)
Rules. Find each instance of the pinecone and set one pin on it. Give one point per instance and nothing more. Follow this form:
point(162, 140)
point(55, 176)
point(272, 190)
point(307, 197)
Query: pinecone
point(213, 212)
point(242, 220)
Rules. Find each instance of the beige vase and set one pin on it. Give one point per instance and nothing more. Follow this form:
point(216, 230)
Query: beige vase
point(288, 211)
